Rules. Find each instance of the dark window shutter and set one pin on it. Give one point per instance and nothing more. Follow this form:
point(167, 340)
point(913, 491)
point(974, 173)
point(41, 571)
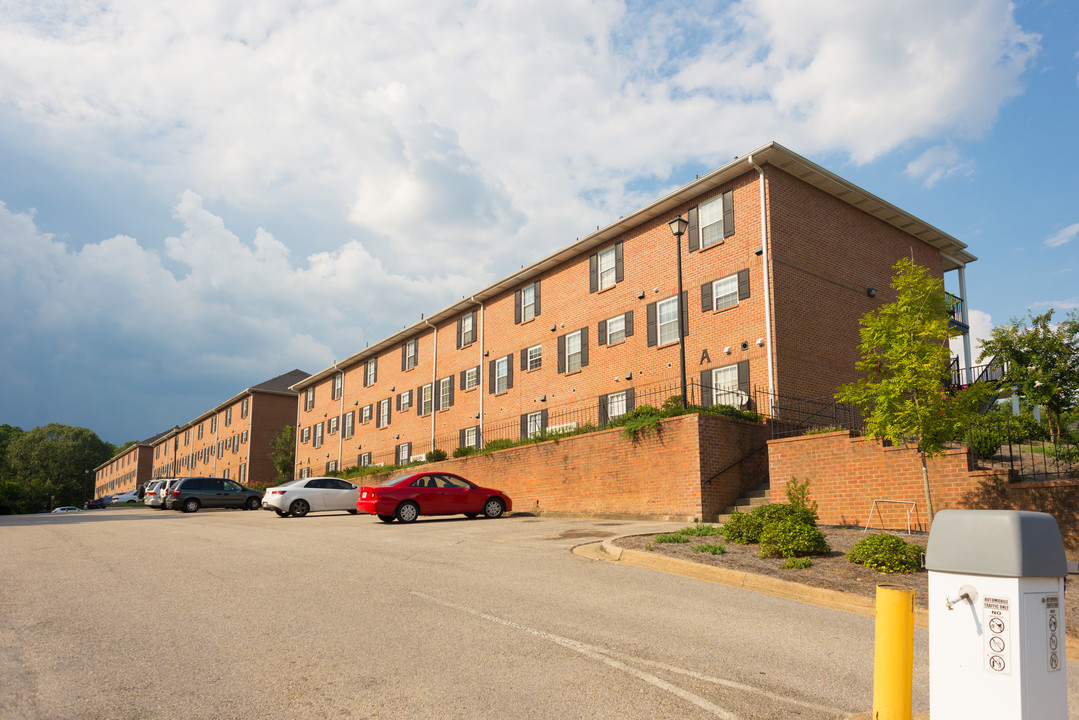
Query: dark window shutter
point(418, 404)
point(543, 418)
point(629, 399)
point(462, 374)
point(584, 346)
point(706, 297)
point(436, 395)
point(378, 417)
point(728, 213)
point(365, 374)
point(629, 324)
point(461, 437)
point(524, 359)
point(389, 416)
point(404, 354)
point(536, 300)
point(561, 353)
point(509, 371)
point(460, 321)
point(706, 388)
point(375, 373)
point(743, 377)
point(602, 410)
point(618, 273)
point(694, 231)
point(602, 333)
point(491, 376)
point(450, 378)
point(398, 403)
point(593, 273)
point(743, 284)
point(651, 318)
point(685, 316)
point(524, 425)
point(517, 307)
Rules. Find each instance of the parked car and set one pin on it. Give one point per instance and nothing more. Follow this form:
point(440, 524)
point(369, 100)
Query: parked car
point(97, 503)
point(164, 490)
point(299, 497)
point(128, 498)
point(151, 498)
point(65, 509)
point(406, 497)
point(190, 494)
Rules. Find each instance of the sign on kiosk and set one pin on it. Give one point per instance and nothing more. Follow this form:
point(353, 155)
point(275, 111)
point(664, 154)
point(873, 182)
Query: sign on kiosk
point(996, 620)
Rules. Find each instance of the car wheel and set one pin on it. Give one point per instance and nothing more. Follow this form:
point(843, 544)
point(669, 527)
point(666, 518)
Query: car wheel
point(493, 508)
point(386, 518)
point(408, 511)
point(470, 516)
point(299, 508)
point(254, 503)
point(280, 513)
point(190, 505)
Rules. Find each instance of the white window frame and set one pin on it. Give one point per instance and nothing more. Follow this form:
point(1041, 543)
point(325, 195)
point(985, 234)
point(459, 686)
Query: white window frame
point(331, 466)
point(535, 357)
point(616, 336)
point(468, 330)
point(366, 413)
point(308, 400)
point(502, 375)
point(406, 400)
point(606, 268)
point(365, 460)
point(319, 436)
point(337, 386)
point(305, 473)
point(370, 371)
point(710, 217)
point(535, 424)
point(404, 450)
point(305, 435)
point(228, 416)
point(384, 412)
point(245, 405)
point(412, 351)
point(332, 425)
point(445, 389)
point(472, 437)
point(725, 292)
point(573, 356)
point(472, 378)
point(350, 425)
point(725, 386)
point(528, 302)
point(665, 327)
point(616, 405)
point(426, 399)
point(242, 478)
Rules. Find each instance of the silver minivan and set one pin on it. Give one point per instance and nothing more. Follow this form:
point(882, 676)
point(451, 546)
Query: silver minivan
point(165, 491)
point(153, 498)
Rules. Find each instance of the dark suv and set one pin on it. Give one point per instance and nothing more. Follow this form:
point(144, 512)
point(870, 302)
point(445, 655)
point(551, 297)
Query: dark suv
point(190, 494)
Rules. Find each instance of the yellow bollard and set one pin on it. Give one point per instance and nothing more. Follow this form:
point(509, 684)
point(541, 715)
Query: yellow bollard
point(893, 654)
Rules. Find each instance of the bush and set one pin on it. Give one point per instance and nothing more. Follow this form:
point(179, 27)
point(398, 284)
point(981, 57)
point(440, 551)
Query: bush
point(797, 563)
point(500, 444)
point(798, 497)
point(746, 528)
point(710, 548)
point(887, 553)
point(986, 441)
point(436, 455)
point(741, 529)
point(699, 530)
point(672, 538)
point(464, 451)
point(791, 538)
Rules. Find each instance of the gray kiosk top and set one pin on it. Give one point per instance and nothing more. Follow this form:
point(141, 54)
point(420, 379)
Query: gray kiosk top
point(1001, 543)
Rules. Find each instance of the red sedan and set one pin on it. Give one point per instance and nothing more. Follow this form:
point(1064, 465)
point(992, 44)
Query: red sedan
point(406, 497)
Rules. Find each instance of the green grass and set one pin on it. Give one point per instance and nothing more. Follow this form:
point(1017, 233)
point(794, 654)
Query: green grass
point(710, 548)
point(675, 537)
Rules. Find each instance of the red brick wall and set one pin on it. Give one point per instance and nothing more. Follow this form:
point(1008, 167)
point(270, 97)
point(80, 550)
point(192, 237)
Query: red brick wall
point(847, 474)
point(604, 473)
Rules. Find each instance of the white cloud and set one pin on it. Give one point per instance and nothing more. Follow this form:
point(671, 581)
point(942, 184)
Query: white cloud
point(938, 163)
point(1063, 237)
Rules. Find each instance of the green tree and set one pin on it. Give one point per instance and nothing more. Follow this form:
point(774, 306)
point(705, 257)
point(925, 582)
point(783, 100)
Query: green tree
point(905, 357)
point(1042, 362)
point(283, 452)
point(55, 464)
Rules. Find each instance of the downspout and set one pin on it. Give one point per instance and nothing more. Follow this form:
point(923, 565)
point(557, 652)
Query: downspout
point(479, 379)
point(434, 380)
point(340, 420)
point(767, 289)
point(296, 439)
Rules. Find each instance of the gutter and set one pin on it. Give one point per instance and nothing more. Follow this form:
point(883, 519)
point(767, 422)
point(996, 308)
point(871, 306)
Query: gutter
point(767, 287)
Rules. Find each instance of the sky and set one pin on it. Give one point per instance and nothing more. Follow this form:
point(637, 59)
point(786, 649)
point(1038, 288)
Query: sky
point(197, 196)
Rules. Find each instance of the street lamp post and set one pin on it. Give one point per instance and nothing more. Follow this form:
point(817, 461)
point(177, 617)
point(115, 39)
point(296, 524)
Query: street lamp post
point(678, 228)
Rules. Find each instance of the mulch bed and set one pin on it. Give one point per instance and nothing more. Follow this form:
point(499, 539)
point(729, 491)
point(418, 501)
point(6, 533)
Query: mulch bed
point(833, 572)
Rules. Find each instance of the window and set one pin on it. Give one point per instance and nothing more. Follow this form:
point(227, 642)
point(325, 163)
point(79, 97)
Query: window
point(409, 353)
point(711, 219)
point(242, 477)
point(318, 435)
point(470, 378)
point(614, 331)
point(573, 352)
point(187, 441)
point(535, 424)
point(725, 387)
point(606, 269)
point(333, 423)
point(667, 312)
point(370, 372)
point(243, 436)
point(466, 330)
point(526, 303)
point(213, 424)
point(365, 414)
point(404, 452)
point(331, 466)
point(502, 370)
point(225, 474)
point(470, 437)
point(337, 387)
point(445, 393)
point(364, 459)
point(383, 413)
point(305, 472)
point(200, 431)
point(350, 424)
point(725, 292)
point(532, 358)
point(220, 448)
point(616, 405)
point(404, 400)
point(228, 416)
point(309, 398)
point(244, 405)
point(426, 399)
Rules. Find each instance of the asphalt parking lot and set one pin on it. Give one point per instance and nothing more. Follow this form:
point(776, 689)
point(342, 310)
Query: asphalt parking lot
point(227, 614)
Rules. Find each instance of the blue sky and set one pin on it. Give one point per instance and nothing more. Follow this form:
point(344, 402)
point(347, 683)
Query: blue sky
point(196, 198)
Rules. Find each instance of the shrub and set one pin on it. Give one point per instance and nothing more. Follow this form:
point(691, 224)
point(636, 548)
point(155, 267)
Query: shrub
point(699, 530)
point(797, 563)
point(798, 497)
point(886, 553)
point(741, 529)
point(789, 538)
point(710, 548)
point(822, 430)
point(464, 451)
point(436, 455)
point(500, 444)
point(671, 538)
point(986, 441)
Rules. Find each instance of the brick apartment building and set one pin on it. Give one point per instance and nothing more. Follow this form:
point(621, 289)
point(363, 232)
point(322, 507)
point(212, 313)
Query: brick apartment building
point(780, 259)
point(233, 439)
point(128, 469)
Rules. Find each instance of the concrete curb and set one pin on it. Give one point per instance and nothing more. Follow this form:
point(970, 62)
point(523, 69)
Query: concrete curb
point(775, 587)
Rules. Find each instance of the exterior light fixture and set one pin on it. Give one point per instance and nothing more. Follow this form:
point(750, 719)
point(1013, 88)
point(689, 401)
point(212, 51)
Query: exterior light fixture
point(678, 228)
point(871, 292)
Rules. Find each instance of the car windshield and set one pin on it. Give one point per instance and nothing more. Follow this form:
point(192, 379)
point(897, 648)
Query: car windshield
point(394, 481)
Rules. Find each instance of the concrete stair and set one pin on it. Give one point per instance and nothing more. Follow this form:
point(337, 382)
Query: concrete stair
point(758, 496)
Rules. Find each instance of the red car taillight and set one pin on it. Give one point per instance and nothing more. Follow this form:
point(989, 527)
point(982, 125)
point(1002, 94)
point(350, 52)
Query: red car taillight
point(277, 492)
point(176, 493)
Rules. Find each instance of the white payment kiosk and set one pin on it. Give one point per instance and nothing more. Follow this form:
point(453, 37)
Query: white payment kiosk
point(996, 616)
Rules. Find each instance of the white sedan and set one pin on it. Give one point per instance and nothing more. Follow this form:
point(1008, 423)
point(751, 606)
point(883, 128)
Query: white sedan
point(66, 509)
point(128, 498)
point(299, 497)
